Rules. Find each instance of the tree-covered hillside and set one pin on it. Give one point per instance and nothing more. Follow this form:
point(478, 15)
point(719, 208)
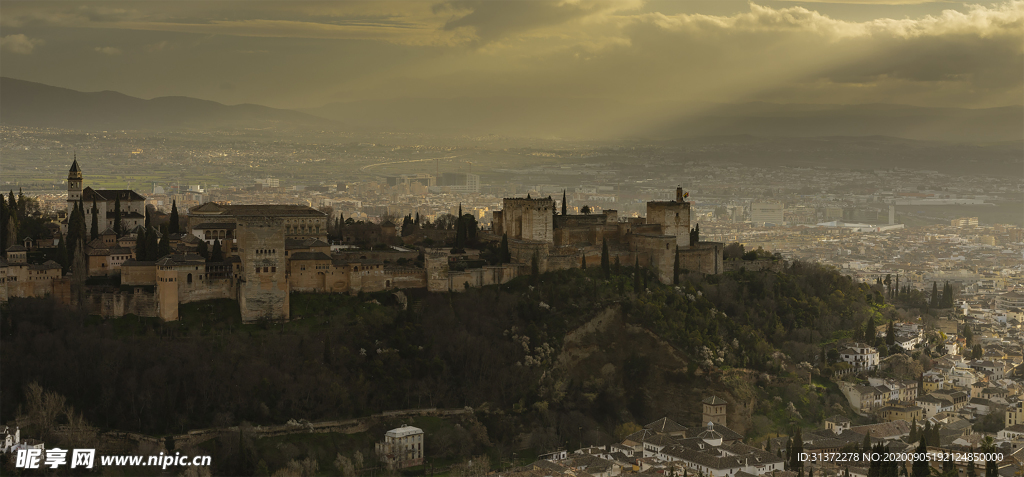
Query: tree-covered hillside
point(541, 358)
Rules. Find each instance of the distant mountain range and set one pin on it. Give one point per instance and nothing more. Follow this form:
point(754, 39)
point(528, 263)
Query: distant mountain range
point(33, 104)
point(25, 103)
point(609, 119)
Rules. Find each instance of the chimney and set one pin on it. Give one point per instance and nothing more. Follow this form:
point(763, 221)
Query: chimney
point(679, 194)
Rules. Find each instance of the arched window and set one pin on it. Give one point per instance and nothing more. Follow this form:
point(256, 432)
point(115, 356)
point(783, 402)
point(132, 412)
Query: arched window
point(188, 279)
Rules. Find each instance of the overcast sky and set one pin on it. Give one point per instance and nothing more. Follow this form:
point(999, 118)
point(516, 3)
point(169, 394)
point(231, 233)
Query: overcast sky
point(298, 54)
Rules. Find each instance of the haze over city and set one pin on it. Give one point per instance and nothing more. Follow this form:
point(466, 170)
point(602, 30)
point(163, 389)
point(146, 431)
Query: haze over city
point(713, 238)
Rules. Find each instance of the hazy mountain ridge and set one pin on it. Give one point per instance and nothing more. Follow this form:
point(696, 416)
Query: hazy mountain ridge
point(24, 103)
point(609, 119)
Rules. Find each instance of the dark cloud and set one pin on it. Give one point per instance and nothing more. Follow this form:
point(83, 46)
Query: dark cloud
point(495, 20)
point(646, 57)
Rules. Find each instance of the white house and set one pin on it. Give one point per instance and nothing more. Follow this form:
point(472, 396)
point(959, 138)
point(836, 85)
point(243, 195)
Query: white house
point(402, 447)
point(860, 355)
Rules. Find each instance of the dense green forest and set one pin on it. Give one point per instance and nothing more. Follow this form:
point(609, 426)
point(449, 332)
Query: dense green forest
point(495, 349)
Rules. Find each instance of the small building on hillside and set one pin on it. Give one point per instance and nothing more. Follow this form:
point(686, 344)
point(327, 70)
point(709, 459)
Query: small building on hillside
point(402, 447)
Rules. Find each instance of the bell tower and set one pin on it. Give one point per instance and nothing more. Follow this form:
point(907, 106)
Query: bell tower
point(74, 183)
point(714, 410)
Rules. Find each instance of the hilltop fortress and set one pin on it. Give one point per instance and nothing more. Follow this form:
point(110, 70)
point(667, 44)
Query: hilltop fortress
point(269, 251)
point(564, 241)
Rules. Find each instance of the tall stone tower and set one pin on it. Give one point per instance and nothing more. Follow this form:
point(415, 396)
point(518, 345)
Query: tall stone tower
point(673, 216)
point(74, 184)
point(528, 219)
point(714, 410)
point(263, 288)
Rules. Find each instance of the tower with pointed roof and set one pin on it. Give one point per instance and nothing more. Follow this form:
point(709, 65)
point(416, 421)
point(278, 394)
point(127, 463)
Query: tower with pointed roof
point(133, 205)
point(714, 410)
point(74, 183)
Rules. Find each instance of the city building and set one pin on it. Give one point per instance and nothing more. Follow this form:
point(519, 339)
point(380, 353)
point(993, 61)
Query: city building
point(767, 213)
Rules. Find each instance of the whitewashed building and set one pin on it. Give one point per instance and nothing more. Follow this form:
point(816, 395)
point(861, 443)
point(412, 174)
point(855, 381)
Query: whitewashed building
point(402, 447)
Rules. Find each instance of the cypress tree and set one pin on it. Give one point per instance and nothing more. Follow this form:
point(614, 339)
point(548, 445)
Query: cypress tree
point(217, 255)
point(3, 224)
point(636, 276)
point(948, 468)
point(117, 215)
point(890, 334)
point(62, 255)
point(618, 266)
point(920, 466)
point(11, 229)
point(971, 472)
point(21, 204)
point(140, 245)
point(795, 451)
point(870, 333)
point(152, 245)
point(914, 433)
point(675, 270)
point(460, 232)
point(503, 253)
point(874, 468)
point(926, 435)
point(174, 225)
point(866, 445)
point(935, 295)
point(991, 468)
point(148, 225)
point(82, 232)
point(95, 232)
point(583, 262)
point(164, 247)
point(203, 250)
point(72, 232)
point(79, 269)
point(605, 263)
point(564, 208)
point(471, 228)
